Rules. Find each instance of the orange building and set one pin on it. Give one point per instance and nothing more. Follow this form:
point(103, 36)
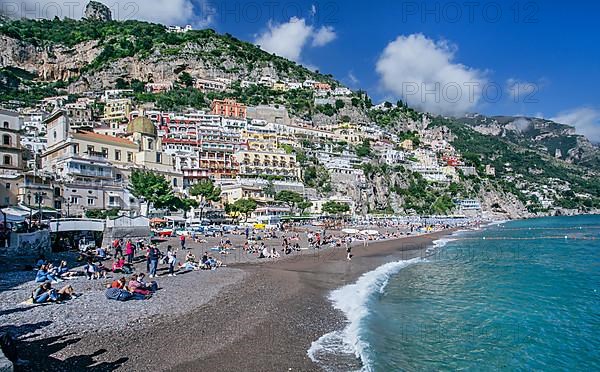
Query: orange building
point(228, 108)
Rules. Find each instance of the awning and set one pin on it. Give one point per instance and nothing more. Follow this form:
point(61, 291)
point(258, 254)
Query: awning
point(175, 218)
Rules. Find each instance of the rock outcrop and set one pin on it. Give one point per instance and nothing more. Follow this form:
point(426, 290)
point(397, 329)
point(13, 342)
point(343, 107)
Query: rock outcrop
point(98, 12)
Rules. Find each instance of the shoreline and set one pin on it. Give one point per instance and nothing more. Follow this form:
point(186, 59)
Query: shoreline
point(267, 320)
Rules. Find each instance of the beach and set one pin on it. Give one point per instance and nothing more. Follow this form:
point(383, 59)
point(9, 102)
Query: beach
point(247, 316)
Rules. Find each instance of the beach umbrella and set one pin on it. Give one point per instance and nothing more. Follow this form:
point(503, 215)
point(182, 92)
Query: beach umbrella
point(350, 231)
point(371, 232)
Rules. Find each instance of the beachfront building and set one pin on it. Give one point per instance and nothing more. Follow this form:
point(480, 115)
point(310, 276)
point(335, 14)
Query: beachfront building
point(468, 204)
point(228, 108)
point(261, 190)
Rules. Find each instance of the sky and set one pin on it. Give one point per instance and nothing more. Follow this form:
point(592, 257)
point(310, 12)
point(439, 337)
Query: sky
point(530, 58)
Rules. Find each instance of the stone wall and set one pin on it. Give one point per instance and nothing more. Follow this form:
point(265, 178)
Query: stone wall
point(30, 244)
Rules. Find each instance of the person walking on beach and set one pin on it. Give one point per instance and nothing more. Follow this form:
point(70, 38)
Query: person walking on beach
point(153, 256)
point(348, 251)
point(182, 241)
point(171, 260)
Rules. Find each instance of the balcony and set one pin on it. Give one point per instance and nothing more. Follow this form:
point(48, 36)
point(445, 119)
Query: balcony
point(90, 173)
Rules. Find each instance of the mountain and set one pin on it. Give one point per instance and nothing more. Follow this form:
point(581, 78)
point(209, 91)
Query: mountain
point(548, 137)
point(92, 54)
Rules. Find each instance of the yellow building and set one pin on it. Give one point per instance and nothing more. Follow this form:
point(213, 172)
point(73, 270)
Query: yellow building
point(280, 86)
point(117, 110)
point(349, 133)
point(407, 145)
point(254, 163)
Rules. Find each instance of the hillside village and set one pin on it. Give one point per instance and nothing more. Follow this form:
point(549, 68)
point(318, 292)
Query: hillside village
point(293, 143)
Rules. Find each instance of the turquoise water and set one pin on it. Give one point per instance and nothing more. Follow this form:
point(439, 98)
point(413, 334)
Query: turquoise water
point(525, 298)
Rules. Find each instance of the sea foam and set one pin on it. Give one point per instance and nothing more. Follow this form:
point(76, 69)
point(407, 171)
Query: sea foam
point(353, 300)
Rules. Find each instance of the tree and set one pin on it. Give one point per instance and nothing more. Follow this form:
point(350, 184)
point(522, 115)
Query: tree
point(120, 83)
point(290, 198)
point(339, 104)
point(364, 149)
point(245, 206)
point(152, 187)
point(186, 204)
point(304, 205)
point(207, 192)
point(335, 208)
point(186, 79)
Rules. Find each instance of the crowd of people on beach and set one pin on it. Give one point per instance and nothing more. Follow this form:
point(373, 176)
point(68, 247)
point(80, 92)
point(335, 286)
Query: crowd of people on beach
point(125, 254)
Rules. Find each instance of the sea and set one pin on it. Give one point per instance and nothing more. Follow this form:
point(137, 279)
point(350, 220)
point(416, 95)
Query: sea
point(520, 295)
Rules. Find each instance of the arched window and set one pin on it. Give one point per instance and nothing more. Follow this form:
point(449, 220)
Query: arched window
point(6, 140)
point(6, 124)
point(7, 160)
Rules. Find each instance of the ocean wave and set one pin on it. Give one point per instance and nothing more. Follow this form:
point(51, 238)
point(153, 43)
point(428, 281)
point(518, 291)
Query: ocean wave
point(353, 300)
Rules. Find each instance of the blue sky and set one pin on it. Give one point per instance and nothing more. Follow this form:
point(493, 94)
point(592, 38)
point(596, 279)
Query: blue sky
point(542, 57)
point(548, 52)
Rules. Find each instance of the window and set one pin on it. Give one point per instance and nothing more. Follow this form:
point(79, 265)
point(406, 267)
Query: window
point(90, 150)
point(54, 134)
point(129, 156)
point(8, 185)
point(117, 154)
point(119, 177)
point(74, 199)
point(105, 152)
point(158, 157)
point(6, 140)
point(7, 160)
point(6, 124)
point(90, 201)
point(175, 182)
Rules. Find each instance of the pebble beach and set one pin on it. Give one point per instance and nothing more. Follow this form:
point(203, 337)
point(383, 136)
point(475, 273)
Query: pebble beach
point(257, 315)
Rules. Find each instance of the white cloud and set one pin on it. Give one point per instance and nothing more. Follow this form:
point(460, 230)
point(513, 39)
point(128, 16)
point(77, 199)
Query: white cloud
point(286, 39)
point(586, 121)
point(324, 36)
point(168, 12)
point(423, 72)
point(289, 39)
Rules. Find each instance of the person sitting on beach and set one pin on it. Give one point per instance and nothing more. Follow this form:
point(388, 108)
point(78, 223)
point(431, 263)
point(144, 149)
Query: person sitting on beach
point(90, 270)
point(40, 261)
point(117, 294)
point(214, 263)
point(63, 272)
point(45, 293)
point(119, 265)
point(190, 257)
point(188, 266)
point(136, 287)
point(101, 253)
point(152, 286)
point(274, 253)
point(204, 260)
point(43, 275)
point(264, 252)
point(119, 283)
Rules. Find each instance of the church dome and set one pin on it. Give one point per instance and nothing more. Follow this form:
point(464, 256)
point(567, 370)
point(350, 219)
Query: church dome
point(142, 125)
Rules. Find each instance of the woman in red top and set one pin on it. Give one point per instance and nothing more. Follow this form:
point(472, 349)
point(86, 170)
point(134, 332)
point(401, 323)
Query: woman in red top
point(129, 251)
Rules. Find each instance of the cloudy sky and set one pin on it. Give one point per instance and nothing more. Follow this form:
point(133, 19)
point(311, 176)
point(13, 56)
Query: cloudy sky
point(448, 57)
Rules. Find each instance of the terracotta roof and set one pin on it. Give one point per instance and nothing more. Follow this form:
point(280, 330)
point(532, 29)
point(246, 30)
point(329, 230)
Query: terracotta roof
point(110, 140)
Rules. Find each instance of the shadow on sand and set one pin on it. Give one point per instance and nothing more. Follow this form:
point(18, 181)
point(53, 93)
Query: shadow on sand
point(31, 354)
